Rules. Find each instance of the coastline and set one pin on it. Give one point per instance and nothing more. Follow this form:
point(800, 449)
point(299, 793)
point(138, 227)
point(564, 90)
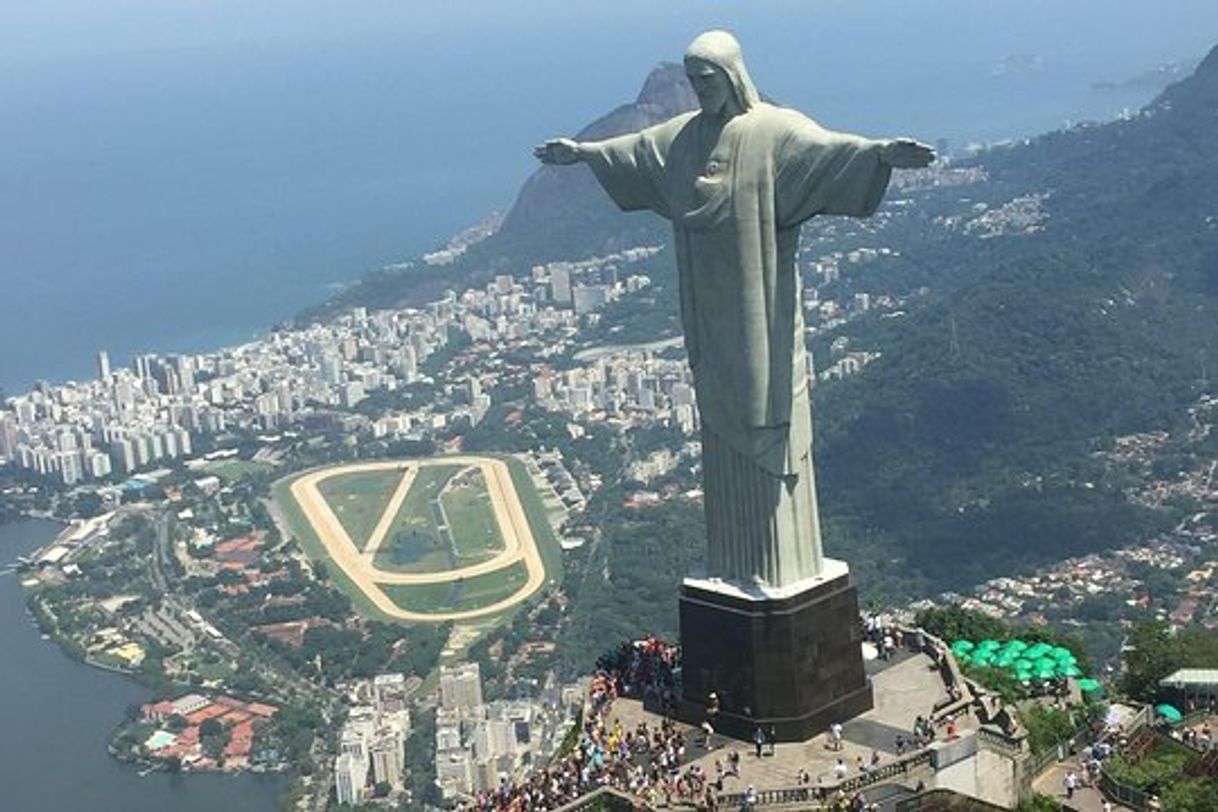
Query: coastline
point(47, 624)
point(76, 711)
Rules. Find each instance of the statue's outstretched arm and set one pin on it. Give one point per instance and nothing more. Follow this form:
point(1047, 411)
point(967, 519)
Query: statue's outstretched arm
point(561, 151)
point(905, 153)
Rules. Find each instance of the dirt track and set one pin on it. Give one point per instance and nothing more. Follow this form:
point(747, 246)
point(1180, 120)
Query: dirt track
point(519, 544)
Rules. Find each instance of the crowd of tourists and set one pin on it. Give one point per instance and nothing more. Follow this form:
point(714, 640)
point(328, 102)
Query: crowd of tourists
point(888, 638)
point(647, 761)
point(646, 670)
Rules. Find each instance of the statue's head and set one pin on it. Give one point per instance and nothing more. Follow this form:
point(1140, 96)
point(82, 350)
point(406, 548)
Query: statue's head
point(715, 67)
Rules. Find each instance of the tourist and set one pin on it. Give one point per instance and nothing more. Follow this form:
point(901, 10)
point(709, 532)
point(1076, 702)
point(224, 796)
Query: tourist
point(759, 739)
point(733, 763)
point(840, 770)
point(835, 735)
point(645, 762)
point(1071, 782)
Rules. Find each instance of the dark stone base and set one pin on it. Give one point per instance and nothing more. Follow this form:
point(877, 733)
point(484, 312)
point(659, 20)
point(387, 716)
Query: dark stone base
point(793, 664)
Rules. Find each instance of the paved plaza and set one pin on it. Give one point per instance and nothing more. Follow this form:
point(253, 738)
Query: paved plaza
point(906, 687)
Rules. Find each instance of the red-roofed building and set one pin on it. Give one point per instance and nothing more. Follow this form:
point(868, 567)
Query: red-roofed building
point(291, 632)
point(240, 740)
point(202, 715)
point(158, 711)
point(265, 711)
point(241, 552)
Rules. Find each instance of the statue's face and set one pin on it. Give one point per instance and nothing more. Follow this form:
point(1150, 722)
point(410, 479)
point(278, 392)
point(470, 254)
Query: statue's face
point(714, 89)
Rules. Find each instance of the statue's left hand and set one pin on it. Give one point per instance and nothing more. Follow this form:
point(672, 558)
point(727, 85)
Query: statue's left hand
point(560, 151)
point(905, 153)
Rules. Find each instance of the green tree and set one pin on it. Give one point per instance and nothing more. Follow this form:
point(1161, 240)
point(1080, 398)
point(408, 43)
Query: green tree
point(1152, 652)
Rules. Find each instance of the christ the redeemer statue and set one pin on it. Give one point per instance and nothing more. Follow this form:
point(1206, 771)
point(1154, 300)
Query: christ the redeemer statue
point(737, 178)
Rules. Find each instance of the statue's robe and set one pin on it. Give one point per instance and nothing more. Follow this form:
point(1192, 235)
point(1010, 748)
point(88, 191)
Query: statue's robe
point(736, 194)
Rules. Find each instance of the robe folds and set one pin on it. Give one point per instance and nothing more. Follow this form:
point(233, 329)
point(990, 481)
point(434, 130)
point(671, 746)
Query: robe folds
point(736, 192)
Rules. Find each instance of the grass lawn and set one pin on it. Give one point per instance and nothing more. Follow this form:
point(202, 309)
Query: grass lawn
point(214, 671)
point(414, 542)
point(535, 512)
point(475, 532)
point(233, 470)
point(468, 593)
point(359, 500)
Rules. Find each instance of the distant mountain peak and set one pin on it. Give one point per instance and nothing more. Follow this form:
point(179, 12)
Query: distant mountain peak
point(1209, 66)
point(566, 204)
point(1197, 93)
point(666, 87)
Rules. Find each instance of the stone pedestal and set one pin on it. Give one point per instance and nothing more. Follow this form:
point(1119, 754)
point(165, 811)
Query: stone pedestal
point(788, 659)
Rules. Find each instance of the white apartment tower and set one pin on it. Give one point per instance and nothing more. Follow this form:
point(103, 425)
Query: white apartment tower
point(461, 686)
point(350, 778)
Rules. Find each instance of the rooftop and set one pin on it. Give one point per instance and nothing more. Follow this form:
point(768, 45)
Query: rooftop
point(1189, 677)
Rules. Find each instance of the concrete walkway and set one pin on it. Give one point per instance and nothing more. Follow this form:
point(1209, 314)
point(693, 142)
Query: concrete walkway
point(1053, 784)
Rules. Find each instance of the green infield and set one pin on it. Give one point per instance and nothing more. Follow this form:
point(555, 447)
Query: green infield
point(415, 541)
point(461, 595)
point(359, 500)
point(471, 518)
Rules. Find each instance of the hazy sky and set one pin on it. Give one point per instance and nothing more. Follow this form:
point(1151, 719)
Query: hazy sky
point(180, 172)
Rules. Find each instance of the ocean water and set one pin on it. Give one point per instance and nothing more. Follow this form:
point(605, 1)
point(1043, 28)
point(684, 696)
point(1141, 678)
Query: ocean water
point(176, 176)
point(58, 715)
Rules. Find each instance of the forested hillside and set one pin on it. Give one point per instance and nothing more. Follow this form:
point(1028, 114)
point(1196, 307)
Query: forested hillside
point(966, 449)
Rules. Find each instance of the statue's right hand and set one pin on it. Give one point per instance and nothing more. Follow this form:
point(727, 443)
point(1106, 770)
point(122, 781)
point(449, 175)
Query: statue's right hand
point(560, 151)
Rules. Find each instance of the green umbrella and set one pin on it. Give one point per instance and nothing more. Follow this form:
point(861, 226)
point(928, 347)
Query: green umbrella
point(961, 646)
point(1037, 651)
point(1015, 645)
point(1046, 674)
point(1060, 653)
point(1045, 663)
point(1070, 670)
point(1089, 686)
point(1169, 713)
point(1005, 659)
point(989, 645)
point(983, 657)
